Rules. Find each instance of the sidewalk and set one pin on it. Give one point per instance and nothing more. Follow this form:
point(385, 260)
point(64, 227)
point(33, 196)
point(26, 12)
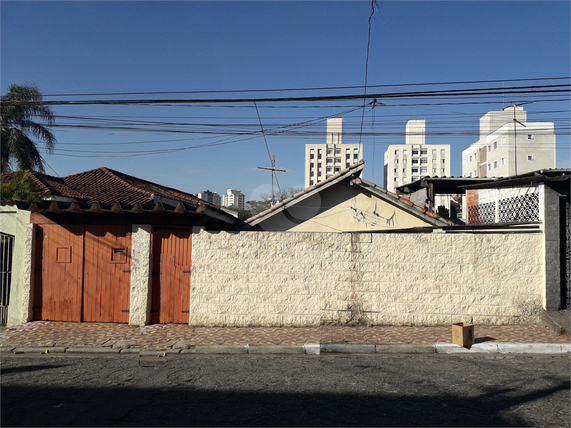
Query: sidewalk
point(160, 339)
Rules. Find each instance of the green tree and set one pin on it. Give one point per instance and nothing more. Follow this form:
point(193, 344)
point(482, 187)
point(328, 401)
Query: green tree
point(18, 187)
point(20, 129)
point(258, 206)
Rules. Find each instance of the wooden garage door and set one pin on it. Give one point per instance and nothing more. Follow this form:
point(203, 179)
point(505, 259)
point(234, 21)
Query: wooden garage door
point(171, 275)
point(106, 278)
point(59, 273)
point(83, 274)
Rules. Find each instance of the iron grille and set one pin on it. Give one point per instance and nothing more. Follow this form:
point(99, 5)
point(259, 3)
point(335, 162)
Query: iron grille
point(6, 254)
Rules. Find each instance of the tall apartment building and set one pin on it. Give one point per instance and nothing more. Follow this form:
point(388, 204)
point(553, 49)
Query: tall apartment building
point(208, 196)
point(509, 147)
point(324, 160)
point(234, 199)
point(405, 163)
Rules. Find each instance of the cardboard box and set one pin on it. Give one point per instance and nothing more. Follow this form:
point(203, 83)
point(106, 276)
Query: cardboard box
point(463, 334)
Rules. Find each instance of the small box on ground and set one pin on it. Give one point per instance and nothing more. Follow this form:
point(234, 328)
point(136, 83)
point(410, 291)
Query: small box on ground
point(463, 334)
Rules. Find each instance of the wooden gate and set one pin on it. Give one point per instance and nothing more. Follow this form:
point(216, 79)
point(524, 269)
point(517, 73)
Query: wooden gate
point(106, 278)
point(171, 275)
point(82, 273)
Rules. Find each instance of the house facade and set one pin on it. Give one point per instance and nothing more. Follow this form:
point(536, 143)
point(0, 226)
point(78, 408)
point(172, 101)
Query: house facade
point(540, 197)
point(342, 203)
point(83, 260)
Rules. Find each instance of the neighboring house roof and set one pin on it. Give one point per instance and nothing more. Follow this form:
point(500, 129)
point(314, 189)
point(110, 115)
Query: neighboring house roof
point(352, 175)
point(443, 185)
point(106, 190)
point(552, 175)
point(106, 186)
point(47, 185)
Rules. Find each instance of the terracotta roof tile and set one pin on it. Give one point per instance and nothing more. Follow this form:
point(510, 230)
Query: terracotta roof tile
point(107, 186)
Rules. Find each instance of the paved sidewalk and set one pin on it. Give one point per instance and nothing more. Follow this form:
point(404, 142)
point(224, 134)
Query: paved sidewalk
point(176, 338)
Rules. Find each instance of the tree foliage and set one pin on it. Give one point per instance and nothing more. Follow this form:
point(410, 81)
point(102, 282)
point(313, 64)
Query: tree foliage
point(19, 188)
point(265, 202)
point(20, 129)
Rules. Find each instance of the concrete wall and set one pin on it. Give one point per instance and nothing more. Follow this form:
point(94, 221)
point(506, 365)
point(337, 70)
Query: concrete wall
point(308, 279)
point(17, 223)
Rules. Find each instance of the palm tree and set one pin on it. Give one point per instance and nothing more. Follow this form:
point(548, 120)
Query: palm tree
point(18, 128)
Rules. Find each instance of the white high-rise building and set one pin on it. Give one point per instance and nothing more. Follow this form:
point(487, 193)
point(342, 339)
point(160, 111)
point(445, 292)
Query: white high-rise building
point(234, 199)
point(324, 160)
point(405, 163)
point(509, 145)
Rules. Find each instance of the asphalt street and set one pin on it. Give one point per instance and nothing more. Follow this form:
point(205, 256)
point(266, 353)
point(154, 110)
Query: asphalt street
point(304, 390)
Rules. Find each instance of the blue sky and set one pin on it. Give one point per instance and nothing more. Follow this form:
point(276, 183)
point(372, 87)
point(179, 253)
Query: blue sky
point(81, 47)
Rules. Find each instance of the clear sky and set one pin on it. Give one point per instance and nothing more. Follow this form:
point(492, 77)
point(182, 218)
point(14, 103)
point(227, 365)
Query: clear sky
point(82, 47)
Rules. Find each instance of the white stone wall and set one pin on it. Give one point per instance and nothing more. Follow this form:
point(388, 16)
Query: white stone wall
point(309, 279)
point(141, 265)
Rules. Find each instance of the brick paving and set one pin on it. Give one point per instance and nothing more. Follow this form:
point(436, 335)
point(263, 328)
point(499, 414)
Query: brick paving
point(176, 336)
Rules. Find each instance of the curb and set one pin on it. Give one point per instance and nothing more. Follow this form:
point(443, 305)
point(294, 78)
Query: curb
point(307, 349)
point(504, 348)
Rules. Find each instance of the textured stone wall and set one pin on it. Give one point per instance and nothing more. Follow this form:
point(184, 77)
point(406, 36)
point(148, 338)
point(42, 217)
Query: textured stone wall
point(139, 306)
point(305, 279)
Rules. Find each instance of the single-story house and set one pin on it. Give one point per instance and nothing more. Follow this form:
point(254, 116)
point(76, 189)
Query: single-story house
point(344, 203)
point(103, 246)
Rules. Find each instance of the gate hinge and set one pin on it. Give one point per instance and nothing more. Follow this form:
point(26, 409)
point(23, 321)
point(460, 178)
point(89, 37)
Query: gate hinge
point(185, 312)
point(126, 271)
point(124, 310)
point(186, 271)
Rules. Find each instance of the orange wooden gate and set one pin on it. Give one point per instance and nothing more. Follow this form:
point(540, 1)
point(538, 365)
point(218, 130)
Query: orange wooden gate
point(171, 275)
point(82, 273)
point(106, 279)
point(59, 273)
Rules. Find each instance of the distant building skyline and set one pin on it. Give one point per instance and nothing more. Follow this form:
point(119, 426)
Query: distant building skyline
point(212, 197)
point(234, 199)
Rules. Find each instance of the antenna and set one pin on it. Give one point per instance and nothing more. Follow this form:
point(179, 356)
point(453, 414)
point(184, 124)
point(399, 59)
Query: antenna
point(274, 170)
point(515, 134)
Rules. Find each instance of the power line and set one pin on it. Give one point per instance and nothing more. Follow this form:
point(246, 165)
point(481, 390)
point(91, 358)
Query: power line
point(466, 82)
point(514, 90)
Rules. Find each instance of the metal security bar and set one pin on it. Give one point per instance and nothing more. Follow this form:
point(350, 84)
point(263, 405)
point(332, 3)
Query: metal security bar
point(6, 254)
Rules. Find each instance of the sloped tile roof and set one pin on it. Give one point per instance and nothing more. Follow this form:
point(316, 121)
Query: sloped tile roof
point(106, 186)
point(48, 185)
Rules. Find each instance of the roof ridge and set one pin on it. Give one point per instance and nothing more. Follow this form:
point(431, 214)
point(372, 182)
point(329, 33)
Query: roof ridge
point(113, 173)
point(353, 170)
point(150, 183)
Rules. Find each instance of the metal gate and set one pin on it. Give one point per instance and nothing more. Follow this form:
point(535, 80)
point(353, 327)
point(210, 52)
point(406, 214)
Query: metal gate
point(6, 254)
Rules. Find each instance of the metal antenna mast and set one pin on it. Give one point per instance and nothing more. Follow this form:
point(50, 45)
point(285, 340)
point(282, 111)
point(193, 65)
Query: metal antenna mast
point(274, 170)
point(515, 134)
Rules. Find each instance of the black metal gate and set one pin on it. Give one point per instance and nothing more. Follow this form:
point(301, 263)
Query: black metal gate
point(6, 254)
